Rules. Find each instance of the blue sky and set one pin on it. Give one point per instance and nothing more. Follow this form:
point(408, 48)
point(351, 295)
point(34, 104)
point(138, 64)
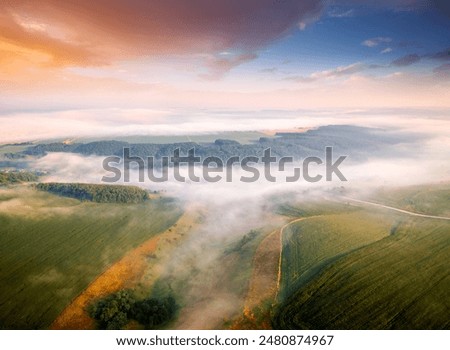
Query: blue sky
point(338, 41)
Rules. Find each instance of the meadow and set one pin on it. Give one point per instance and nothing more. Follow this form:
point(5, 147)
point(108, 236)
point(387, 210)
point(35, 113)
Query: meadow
point(52, 247)
point(343, 265)
point(314, 242)
point(399, 282)
point(369, 269)
point(424, 199)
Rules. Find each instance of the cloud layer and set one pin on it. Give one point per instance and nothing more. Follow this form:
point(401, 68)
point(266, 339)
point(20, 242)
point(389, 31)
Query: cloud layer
point(96, 32)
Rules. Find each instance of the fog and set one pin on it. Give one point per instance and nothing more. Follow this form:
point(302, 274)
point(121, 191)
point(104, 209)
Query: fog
point(16, 202)
point(197, 267)
point(423, 160)
point(124, 122)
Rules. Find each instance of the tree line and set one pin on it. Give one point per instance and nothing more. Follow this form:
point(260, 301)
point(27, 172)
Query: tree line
point(96, 193)
point(13, 177)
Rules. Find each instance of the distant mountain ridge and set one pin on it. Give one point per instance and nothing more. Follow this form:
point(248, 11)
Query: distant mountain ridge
point(359, 142)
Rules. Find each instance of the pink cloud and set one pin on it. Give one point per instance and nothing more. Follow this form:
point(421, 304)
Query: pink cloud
point(97, 32)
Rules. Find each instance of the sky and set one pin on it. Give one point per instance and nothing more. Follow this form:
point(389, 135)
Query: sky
point(110, 67)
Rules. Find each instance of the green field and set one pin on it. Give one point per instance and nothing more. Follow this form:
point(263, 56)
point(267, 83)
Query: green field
point(343, 266)
point(399, 282)
point(294, 209)
point(310, 244)
point(369, 269)
point(432, 200)
point(52, 247)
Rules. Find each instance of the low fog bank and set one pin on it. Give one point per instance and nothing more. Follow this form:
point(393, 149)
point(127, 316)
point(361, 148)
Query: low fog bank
point(197, 269)
point(90, 123)
point(413, 161)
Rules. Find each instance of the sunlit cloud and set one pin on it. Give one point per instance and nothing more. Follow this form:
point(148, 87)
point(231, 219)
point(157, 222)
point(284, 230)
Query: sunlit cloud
point(79, 35)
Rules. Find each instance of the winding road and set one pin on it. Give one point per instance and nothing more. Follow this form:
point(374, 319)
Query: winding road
point(397, 209)
point(352, 200)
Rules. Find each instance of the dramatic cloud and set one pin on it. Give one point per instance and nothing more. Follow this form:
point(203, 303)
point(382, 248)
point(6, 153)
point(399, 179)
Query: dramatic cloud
point(60, 60)
point(98, 32)
point(406, 60)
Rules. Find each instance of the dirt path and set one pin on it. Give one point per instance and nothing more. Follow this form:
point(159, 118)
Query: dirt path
point(264, 282)
point(262, 286)
point(397, 209)
point(266, 274)
point(125, 273)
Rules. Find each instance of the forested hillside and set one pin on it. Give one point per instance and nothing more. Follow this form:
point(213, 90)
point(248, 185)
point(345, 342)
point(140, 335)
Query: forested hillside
point(96, 193)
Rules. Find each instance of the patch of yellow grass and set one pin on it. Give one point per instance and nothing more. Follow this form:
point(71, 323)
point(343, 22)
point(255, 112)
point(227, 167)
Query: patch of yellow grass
point(125, 273)
point(263, 283)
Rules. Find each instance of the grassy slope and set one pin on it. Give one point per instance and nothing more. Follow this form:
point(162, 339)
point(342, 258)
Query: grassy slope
point(433, 200)
point(308, 208)
point(399, 282)
point(51, 248)
point(310, 244)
